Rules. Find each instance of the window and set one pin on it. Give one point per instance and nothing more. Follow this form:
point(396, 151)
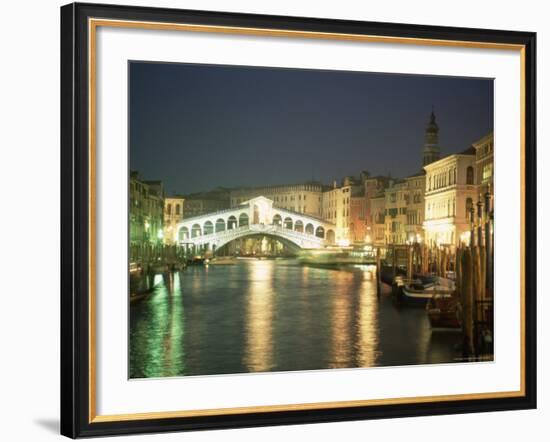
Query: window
point(487, 172)
point(470, 175)
point(169, 209)
point(177, 209)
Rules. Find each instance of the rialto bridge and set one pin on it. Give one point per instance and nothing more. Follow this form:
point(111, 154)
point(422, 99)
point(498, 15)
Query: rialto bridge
point(257, 216)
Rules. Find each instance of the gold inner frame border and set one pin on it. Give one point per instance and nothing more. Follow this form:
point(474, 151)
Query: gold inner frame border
point(93, 24)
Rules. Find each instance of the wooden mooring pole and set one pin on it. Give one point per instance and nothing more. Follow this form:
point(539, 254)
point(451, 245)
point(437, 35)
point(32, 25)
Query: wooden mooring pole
point(378, 273)
point(467, 301)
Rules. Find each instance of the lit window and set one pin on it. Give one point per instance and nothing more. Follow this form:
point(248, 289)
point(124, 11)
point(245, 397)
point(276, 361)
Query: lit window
point(487, 172)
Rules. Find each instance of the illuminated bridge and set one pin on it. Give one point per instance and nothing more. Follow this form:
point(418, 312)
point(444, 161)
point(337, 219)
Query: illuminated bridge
point(257, 216)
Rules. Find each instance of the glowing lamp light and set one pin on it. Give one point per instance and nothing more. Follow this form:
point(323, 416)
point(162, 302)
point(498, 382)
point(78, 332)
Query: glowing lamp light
point(465, 238)
point(343, 242)
point(160, 234)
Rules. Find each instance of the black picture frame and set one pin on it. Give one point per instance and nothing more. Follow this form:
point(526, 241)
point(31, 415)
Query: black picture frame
point(75, 221)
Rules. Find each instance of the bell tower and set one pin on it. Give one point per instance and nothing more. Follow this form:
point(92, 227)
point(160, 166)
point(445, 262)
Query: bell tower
point(431, 151)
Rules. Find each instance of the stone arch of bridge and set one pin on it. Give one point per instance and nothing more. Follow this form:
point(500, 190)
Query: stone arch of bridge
point(292, 245)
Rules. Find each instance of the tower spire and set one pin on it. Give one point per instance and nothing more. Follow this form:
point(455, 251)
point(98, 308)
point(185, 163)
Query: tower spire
point(431, 151)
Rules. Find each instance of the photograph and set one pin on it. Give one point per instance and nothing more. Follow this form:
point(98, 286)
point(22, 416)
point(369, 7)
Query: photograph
point(275, 219)
point(284, 219)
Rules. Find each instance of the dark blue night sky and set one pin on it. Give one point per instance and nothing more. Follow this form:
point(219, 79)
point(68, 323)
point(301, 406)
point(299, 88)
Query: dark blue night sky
point(197, 127)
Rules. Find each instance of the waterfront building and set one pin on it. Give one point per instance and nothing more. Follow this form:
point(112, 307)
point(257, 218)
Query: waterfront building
point(451, 193)
point(333, 206)
point(358, 215)
point(206, 202)
point(173, 214)
point(146, 210)
point(301, 198)
point(377, 218)
point(375, 207)
point(484, 148)
point(414, 199)
point(396, 196)
point(336, 208)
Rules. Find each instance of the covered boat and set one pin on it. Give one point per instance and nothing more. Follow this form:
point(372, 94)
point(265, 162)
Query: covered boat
point(417, 292)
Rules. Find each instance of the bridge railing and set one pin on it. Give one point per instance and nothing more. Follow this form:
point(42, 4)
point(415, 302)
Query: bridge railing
point(313, 218)
point(296, 234)
point(221, 234)
point(213, 214)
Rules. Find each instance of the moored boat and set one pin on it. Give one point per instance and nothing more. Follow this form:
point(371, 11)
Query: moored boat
point(443, 313)
point(416, 292)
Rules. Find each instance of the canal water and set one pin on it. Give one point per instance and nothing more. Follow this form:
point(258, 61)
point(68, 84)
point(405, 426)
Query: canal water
point(276, 315)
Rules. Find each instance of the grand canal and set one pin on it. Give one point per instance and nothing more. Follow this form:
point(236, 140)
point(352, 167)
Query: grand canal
point(275, 315)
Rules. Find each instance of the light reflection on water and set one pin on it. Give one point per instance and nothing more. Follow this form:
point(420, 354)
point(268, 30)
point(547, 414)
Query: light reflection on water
point(259, 324)
point(266, 315)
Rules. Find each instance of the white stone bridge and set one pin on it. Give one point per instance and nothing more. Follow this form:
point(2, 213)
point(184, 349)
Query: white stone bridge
point(257, 216)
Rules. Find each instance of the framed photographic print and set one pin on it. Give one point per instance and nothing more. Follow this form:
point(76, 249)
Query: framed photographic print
point(276, 220)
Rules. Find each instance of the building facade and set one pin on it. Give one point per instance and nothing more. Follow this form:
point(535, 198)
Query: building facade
point(414, 199)
point(377, 219)
point(374, 207)
point(333, 204)
point(358, 215)
point(451, 193)
point(396, 196)
point(336, 206)
point(300, 198)
point(484, 148)
point(205, 202)
point(173, 214)
point(146, 210)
